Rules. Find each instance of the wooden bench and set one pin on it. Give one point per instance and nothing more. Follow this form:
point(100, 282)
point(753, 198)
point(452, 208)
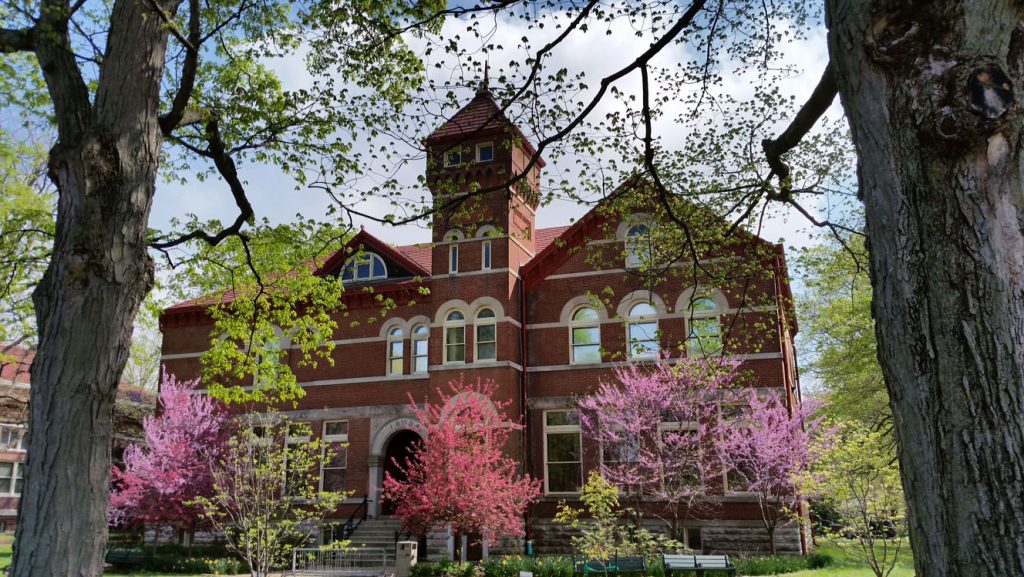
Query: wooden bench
point(126, 558)
point(612, 565)
point(700, 564)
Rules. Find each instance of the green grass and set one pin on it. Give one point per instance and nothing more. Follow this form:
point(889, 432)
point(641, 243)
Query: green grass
point(849, 567)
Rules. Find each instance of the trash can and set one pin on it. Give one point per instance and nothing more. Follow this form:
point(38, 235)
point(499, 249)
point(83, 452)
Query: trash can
point(405, 557)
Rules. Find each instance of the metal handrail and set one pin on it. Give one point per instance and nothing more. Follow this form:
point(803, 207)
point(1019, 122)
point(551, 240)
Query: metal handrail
point(351, 524)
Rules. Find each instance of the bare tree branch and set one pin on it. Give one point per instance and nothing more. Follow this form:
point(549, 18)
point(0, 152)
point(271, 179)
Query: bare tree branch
point(812, 110)
point(17, 40)
point(217, 152)
point(171, 120)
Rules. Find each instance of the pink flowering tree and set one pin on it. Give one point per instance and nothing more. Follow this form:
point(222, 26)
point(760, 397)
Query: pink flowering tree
point(459, 475)
point(766, 448)
point(656, 426)
point(173, 467)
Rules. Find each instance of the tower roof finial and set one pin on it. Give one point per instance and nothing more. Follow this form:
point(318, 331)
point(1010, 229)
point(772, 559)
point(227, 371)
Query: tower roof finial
point(485, 84)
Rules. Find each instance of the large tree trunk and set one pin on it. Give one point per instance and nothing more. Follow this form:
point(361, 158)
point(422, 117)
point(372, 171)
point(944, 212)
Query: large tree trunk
point(104, 167)
point(930, 90)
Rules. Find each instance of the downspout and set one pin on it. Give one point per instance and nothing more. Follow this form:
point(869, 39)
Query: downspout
point(523, 361)
point(791, 379)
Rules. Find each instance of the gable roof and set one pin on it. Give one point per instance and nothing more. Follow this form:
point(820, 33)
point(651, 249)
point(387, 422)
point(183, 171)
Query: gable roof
point(371, 243)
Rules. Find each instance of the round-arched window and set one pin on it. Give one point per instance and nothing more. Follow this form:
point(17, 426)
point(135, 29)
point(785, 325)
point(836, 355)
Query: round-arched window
point(643, 331)
point(585, 336)
point(455, 338)
point(486, 335)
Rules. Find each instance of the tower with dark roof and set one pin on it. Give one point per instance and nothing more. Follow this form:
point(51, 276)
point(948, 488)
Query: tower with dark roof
point(482, 172)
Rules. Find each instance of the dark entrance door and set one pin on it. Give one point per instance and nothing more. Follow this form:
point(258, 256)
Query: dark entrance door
point(398, 449)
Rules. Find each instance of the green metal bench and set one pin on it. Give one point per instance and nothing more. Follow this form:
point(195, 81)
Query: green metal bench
point(126, 558)
point(611, 565)
point(699, 564)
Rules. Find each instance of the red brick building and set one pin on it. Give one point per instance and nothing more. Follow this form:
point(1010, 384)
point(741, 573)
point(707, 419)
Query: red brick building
point(133, 405)
point(546, 313)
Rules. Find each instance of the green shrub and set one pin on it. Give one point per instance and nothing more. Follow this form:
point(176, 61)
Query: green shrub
point(820, 559)
point(771, 565)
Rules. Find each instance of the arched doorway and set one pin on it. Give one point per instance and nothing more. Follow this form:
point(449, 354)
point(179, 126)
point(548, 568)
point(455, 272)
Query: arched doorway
point(397, 451)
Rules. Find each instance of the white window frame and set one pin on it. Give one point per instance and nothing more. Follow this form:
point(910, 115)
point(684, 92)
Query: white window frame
point(447, 157)
point(479, 323)
point(415, 338)
point(9, 431)
point(453, 259)
point(460, 324)
point(290, 440)
point(634, 260)
point(355, 261)
point(693, 344)
point(561, 429)
point(583, 324)
point(486, 255)
point(327, 440)
point(636, 320)
point(17, 468)
point(483, 145)
point(393, 340)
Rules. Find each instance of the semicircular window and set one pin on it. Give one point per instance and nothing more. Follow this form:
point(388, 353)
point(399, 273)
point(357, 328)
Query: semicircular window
point(368, 266)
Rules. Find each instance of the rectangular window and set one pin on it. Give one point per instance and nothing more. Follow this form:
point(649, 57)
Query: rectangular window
point(485, 152)
point(693, 539)
point(12, 478)
point(453, 259)
point(452, 158)
point(12, 438)
point(455, 345)
point(419, 355)
point(486, 257)
point(563, 456)
point(396, 356)
point(705, 337)
point(586, 344)
point(486, 342)
point(620, 458)
point(332, 471)
point(295, 479)
point(643, 339)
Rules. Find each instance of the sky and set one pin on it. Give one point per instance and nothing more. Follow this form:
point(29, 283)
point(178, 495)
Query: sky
point(273, 193)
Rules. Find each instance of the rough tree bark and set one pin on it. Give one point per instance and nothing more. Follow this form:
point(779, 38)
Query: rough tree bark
point(104, 167)
point(930, 90)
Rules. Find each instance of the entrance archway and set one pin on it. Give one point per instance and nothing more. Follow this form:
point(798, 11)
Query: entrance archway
point(397, 451)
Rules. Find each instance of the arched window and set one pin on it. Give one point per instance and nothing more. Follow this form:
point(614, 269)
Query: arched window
point(420, 336)
point(486, 336)
point(455, 338)
point(453, 236)
point(585, 336)
point(367, 266)
point(396, 351)
point(705, 328)
point(643, 331)
point(639, 247)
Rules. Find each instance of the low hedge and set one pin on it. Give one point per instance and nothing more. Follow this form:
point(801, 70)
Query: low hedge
point(561, 566)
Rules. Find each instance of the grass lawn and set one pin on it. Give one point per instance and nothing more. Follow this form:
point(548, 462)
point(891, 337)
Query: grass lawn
point(847, 567)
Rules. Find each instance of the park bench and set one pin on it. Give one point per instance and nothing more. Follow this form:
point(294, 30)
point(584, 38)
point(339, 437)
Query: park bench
point(611, 565)
point(700, 564)
point(126, 558)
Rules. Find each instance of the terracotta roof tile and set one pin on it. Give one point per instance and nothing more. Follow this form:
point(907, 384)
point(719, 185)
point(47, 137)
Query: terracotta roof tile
point(545, 236)
point(473, 117)
point(418, 253)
